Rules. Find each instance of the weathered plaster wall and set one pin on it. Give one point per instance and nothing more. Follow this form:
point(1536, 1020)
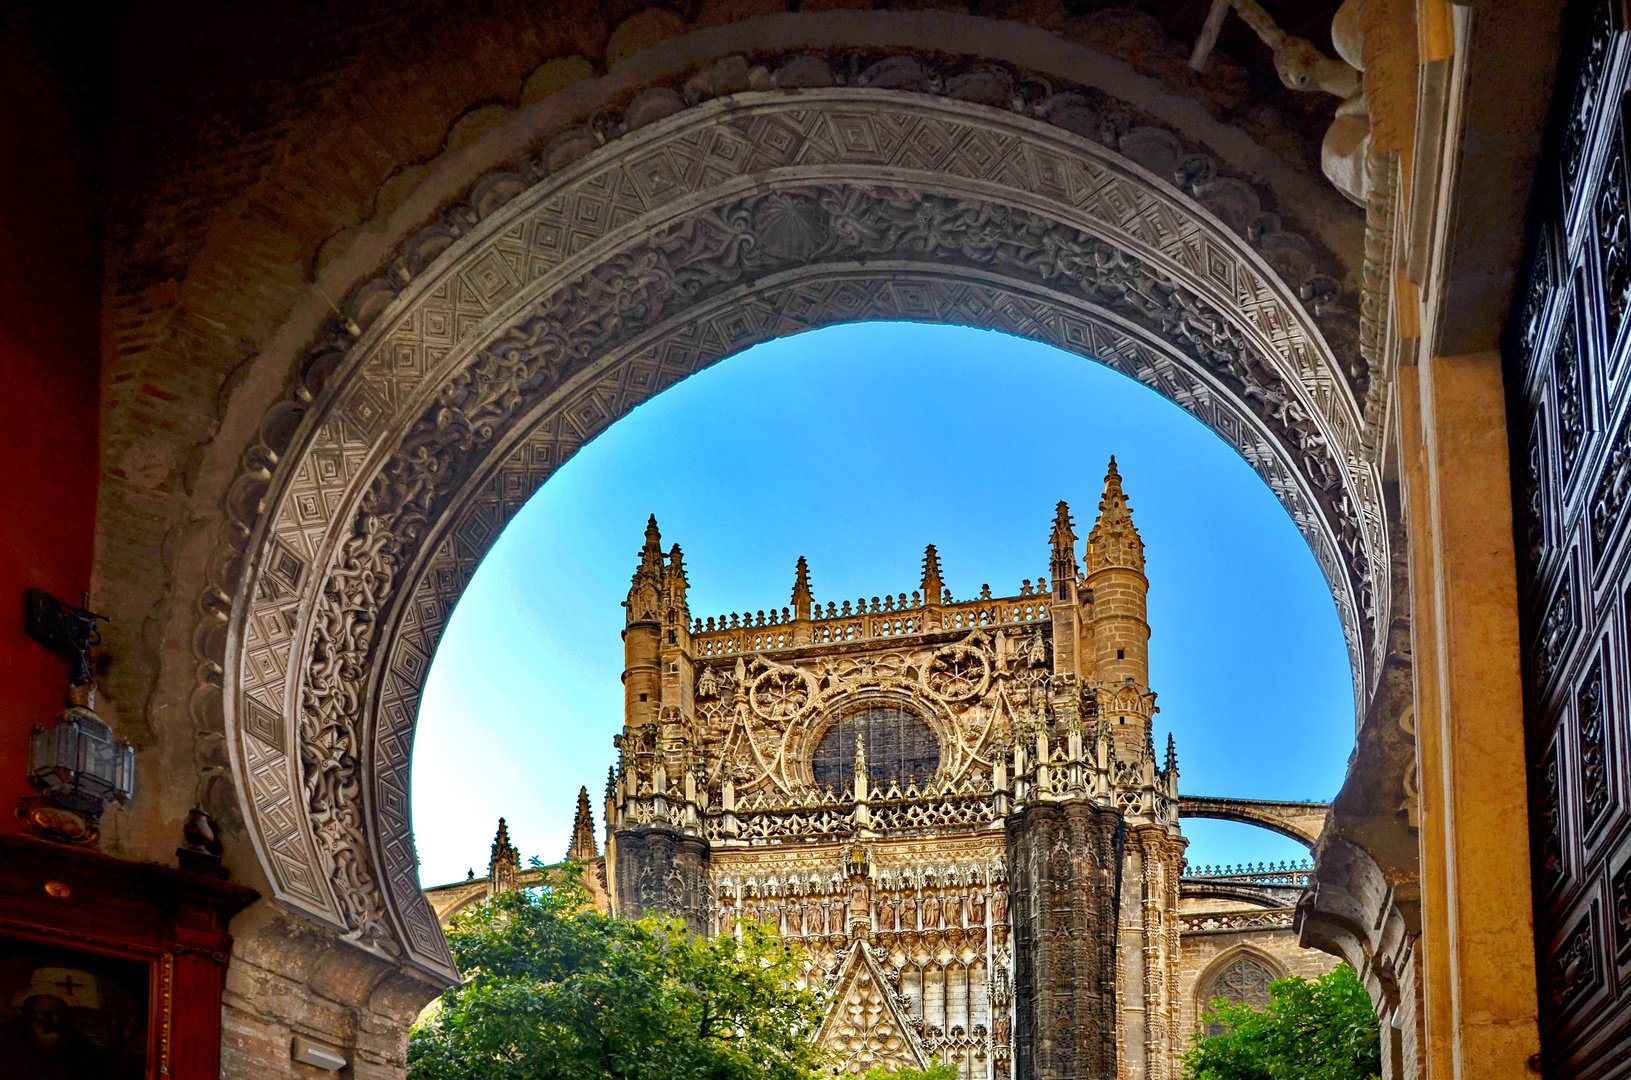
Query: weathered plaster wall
point(50, 236)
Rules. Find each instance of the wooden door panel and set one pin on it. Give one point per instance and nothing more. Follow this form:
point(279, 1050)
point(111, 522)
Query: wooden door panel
point(1568, 375)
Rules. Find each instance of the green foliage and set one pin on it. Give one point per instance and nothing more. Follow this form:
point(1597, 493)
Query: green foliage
point(554, 990)
point(1320, 1030)
point(940, 1070)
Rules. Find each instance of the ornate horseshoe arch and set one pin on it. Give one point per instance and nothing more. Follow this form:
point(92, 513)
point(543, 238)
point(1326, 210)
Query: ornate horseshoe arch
point(592, 289)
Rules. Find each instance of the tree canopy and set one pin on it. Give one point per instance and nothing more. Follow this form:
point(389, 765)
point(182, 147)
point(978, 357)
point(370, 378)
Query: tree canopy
point(1319, 1030)
point(555, 990)
point(938, 1071)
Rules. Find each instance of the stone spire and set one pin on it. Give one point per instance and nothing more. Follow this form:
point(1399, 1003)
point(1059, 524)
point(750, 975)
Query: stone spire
point(505, 862)
point(1172, 755)
point(645, 589)
point(1114, 540)
point(801, 590)
point(583, 846)
point(1062, 566)
point(933, 587)
point(651, 555)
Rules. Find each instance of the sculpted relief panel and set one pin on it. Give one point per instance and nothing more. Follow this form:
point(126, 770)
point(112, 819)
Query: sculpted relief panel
point(404, 453)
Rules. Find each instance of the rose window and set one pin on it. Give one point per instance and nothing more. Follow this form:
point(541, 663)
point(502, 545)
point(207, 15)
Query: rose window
point(899, 747)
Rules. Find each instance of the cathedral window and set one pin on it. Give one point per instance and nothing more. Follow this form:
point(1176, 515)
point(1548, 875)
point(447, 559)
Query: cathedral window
point(1244, 981)
point(899, 746)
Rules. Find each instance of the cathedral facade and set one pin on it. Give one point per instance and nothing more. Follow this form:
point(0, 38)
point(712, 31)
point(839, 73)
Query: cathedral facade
point(955, 805)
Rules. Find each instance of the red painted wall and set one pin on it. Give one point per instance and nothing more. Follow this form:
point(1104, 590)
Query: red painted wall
point(51, 197)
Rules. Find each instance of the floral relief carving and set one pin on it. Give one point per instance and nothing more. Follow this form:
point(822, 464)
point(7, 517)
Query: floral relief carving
point(1574, 971)
point(1557, 628)
point(1614, 241)
point(1620, 887)
point(1571, 409)
point(1593, 751)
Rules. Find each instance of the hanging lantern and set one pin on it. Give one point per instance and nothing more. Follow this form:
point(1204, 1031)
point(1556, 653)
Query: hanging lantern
point(76, 762)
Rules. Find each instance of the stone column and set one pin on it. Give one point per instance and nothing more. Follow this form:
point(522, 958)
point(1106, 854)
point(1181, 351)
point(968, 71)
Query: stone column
point(662, 870)
point(1477, 924)
point(1064, 876)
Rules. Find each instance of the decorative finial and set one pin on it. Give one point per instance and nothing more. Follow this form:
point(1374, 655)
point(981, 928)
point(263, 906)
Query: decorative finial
point(801, 589)
point(646, 587)
point(504, 863)
point(1114, 540)
point(1062, 566)
point(932, 584)
point(201, 848)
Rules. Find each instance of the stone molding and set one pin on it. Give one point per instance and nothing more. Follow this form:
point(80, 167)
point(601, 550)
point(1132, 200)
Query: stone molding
point(399, 455)
point(1232, 922)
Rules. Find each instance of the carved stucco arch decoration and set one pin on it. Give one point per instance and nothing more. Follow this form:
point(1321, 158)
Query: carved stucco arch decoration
point(734, 222)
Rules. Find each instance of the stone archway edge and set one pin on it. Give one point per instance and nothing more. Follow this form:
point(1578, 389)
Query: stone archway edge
point(369, 414)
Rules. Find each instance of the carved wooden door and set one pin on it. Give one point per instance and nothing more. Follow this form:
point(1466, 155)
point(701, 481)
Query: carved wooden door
point(1569, 357)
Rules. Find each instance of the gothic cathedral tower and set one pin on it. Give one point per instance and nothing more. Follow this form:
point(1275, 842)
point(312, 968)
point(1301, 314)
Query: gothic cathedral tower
point(954, 805)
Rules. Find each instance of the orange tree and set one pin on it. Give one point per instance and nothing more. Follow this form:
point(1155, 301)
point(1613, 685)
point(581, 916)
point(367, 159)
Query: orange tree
point(940, 1070)
point(1319, 1030)
point(554, 990)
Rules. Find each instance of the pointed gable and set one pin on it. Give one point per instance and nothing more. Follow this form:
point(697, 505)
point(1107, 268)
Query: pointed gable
point(868, 1023)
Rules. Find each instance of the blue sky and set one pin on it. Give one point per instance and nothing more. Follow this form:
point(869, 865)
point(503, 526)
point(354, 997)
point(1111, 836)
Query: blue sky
point(855, 446)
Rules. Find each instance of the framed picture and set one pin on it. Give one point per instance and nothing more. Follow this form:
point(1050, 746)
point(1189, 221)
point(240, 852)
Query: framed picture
point(110, 970)
point(72, 1014)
